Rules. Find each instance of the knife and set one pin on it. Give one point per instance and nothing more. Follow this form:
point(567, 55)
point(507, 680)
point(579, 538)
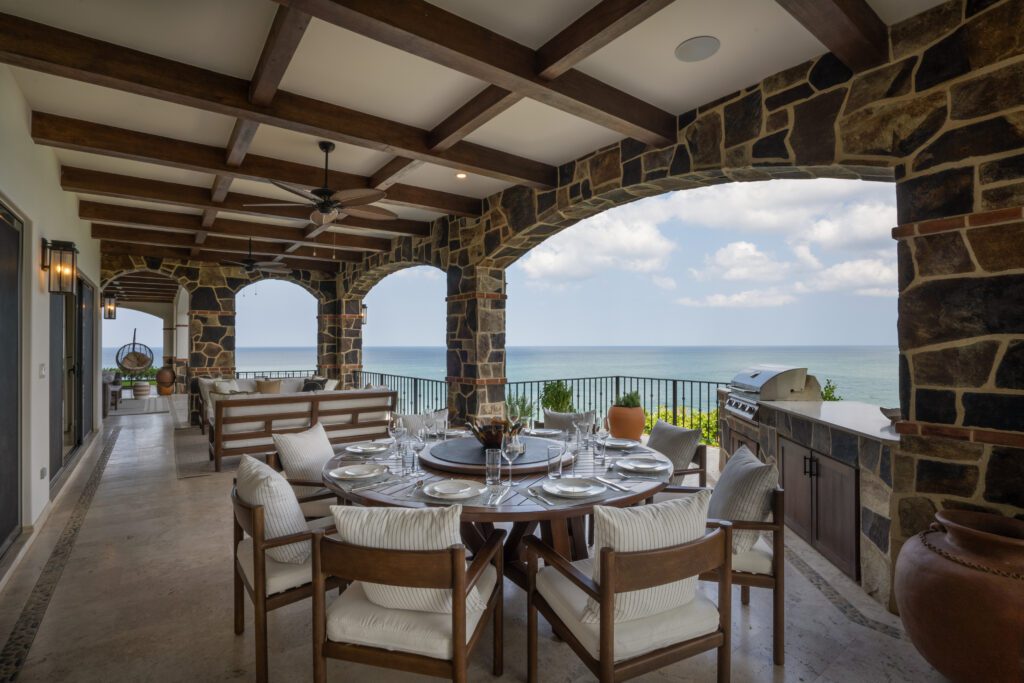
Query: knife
point(540, 497)
point(376, 483)
point(502, 497)
point(609, 482)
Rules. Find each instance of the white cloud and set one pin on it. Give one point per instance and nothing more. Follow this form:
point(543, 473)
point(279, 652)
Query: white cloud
point(618, 239)
point(805, 257)
point(862, 276)
point(419, 273)
point(664, 281)
point(742, 261)
point(752, 298)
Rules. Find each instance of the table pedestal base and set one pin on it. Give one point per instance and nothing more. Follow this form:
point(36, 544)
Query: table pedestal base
point(567, 536)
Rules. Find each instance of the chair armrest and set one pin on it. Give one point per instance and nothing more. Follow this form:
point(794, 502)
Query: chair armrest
point(563, 566)
point(295, 483)
point(754, 526)
point(493, 546)
point(285, 540)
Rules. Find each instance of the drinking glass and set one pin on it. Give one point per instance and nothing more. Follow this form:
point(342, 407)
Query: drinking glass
point(599, 451)
point(555, 462)
point(510, 455)
point(492, 463)
point(419, 442)
point(408, 460)
point(513, 413)
point(394, 425)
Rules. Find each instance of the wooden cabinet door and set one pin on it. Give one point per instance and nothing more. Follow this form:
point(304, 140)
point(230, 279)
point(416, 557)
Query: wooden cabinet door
point(743, 440)
point(799, 510)
point(836, 508)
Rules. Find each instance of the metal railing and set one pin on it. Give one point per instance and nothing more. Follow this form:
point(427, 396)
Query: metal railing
point(415, 394)
point(273, 374)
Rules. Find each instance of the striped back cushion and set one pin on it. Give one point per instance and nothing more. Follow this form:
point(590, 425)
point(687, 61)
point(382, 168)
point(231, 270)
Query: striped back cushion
point(258, 484)
point(304, 455)
point(744, 493)
point(648, 527)
point(405, 529)
point(678, 444)
point(567, 421)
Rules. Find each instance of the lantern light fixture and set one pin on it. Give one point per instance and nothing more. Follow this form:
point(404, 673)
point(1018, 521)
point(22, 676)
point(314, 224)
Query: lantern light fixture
point(60, 261)
point(362, 314)
point(109, 307)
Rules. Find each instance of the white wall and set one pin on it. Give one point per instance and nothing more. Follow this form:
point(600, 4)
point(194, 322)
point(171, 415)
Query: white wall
point(30, 186)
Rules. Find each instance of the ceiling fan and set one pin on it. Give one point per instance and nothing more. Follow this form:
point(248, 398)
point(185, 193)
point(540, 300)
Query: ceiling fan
point(328, 203)
point(251, 265)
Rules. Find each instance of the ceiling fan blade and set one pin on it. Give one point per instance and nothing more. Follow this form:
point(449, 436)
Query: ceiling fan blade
point(318, 218)
point(373, 213)
point(278, 204)
point(294, 189)
point(280, 270)
point(358, 197)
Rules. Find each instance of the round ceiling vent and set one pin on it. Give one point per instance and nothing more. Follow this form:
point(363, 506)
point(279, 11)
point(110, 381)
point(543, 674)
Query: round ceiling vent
point(697, 49)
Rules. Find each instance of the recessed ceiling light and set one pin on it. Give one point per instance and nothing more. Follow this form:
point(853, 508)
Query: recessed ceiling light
point(460, 175)
point(697, 49)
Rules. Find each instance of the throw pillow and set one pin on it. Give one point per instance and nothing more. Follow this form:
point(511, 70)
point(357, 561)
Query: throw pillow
point(314, 384)
point(225, 386)
point(330, 385)
point(405, 529)
point(304, 455)
point(648, 527)
point(744, 493)
point(678, 444)
point(258, 484)
point(268, 386)
point(566, 422)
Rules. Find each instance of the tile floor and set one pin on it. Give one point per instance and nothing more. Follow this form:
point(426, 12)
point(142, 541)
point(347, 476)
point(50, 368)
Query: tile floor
point(143, 593)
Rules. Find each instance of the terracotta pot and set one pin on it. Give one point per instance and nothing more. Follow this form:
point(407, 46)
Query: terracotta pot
point(960, 592)
point(140, 389)
point(626, 423)
point(165, 377)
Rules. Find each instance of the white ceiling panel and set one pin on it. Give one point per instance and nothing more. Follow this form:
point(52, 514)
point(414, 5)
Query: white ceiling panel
point(347, 69)
point(139, 204)
point(411, 213)
point(134, 169)
point(223, 35)
point(537, 131)
point(442, 178)
point(895, 11)
point(279, 143)
point(530, 22)
point(642, 62)
point(94, 103)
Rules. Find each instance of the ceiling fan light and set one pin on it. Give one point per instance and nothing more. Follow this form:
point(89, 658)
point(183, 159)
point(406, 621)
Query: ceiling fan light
point(319, 218)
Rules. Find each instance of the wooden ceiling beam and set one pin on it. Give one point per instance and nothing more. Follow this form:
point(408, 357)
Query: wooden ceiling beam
point(95, 138)
point(161, 192)
point(850, 29)
point(51, 50)
point(128, 249)
point(429, 32)
point(285, 33)
point(168, 220)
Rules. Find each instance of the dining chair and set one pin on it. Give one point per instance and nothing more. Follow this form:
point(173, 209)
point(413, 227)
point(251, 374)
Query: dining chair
point(314, 505)
point(354, 629)
point(620, 650)
point(282, 583)
point(761, 566)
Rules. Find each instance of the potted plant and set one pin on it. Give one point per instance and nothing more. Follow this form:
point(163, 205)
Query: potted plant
point(626, 417)
point(557, 397)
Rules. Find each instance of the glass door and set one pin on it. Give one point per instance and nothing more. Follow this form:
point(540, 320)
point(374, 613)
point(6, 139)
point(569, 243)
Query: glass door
point(10, 378)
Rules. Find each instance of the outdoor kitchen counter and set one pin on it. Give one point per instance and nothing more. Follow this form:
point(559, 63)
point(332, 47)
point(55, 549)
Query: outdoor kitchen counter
point(852, 416)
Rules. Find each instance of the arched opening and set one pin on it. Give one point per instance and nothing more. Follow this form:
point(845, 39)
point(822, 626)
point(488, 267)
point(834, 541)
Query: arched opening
point(275, 329)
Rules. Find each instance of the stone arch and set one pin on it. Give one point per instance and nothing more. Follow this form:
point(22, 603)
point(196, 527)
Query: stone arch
point(407, 252)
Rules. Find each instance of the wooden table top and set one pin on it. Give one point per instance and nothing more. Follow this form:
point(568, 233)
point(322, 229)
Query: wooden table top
point(515, 508)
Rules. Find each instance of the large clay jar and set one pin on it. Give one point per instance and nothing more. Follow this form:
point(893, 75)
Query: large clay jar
point(165, 381)
point(960, 591)
point(626, 423)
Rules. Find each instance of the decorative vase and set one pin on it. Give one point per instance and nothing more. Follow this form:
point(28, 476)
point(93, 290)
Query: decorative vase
point(960, 591)
point(165, 381)
point(140, 389)
point(626, 423)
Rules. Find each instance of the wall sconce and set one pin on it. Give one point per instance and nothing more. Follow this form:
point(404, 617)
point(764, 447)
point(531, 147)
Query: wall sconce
point(109, 308)
point(362, 314)
point(60, 260)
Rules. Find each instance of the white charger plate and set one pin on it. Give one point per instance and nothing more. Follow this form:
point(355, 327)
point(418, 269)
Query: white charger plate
point(642, 464)
point(621, 444)
point(366, 448)
point(453, 489)
point(545, 432)
point(573, 488)
point(360, 471)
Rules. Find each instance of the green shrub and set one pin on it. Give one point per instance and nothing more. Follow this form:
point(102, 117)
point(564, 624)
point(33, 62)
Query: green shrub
point(523, 405)
point(557, 396)
point(630, 400)
point(707, 422)
point(828, 392)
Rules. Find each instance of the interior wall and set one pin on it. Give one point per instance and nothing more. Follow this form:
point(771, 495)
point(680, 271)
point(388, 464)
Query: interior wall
point(30, 186)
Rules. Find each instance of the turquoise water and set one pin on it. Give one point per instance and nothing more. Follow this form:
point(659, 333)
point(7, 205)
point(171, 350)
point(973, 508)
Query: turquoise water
point(862, 373)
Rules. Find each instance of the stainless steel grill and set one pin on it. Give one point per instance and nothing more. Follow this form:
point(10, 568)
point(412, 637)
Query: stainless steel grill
point(769, 383)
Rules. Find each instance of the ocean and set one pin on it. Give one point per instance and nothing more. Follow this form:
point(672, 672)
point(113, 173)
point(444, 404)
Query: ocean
point(861, 373)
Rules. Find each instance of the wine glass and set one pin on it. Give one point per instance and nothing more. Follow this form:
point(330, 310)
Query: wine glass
point(419, 442)
point(394, 425)
point(513, 413)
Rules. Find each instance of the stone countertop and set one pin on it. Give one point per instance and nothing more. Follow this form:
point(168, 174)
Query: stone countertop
point(853, 416)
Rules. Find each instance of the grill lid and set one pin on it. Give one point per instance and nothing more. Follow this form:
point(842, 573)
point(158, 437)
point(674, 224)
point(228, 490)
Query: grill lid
point(755, 377)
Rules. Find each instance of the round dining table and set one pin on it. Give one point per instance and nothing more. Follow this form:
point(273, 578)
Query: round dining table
point(526, 507)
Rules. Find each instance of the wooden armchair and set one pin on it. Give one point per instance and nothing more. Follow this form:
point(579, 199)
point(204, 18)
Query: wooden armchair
point(315, 505)
point(357, 630)
point(282, 583)
point(700, 459)
point(761, 566)
point(630, 571)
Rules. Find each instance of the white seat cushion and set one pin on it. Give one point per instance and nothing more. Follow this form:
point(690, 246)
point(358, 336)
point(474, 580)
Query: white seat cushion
point(634, 637)
point(258, 484)
point(304, 455)
point(280, 576)
point(352, 618)
point(757, 560)
point(744, 493)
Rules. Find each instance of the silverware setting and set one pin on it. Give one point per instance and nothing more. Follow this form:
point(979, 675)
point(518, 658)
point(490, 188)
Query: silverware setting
point(612, 484)
point(364, 487)
point(416, 488)
point(539, 496)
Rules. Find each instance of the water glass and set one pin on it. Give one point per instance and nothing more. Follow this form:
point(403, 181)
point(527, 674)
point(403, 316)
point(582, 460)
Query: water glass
point(408, 461)
point(555, 462)
point(492, 463)
point(419, 442)
point(599, 450)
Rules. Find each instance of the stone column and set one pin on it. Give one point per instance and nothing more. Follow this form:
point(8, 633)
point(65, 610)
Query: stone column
point(476, 341)
point(350, 342)
point(327, 333)
point(211, 319)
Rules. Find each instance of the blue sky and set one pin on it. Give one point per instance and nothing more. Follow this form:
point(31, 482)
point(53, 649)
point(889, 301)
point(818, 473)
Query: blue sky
point(767, 263)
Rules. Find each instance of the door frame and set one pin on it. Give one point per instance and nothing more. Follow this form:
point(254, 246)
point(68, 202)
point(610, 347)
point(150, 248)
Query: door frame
point(20, 228)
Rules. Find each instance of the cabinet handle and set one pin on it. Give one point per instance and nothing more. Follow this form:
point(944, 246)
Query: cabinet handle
point(807, 463)
point(814, 467)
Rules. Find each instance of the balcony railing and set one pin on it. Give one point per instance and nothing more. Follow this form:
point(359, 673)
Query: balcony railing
point(273, 374)
point(415, 394)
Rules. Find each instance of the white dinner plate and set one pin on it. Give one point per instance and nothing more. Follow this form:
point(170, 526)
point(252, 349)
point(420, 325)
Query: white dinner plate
point(642, 464)
point(366, 448)
point(453, 489)
point(621, 444)
point(360, 471)
point(545, 432)
point(573, 488)
point(456, 432)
